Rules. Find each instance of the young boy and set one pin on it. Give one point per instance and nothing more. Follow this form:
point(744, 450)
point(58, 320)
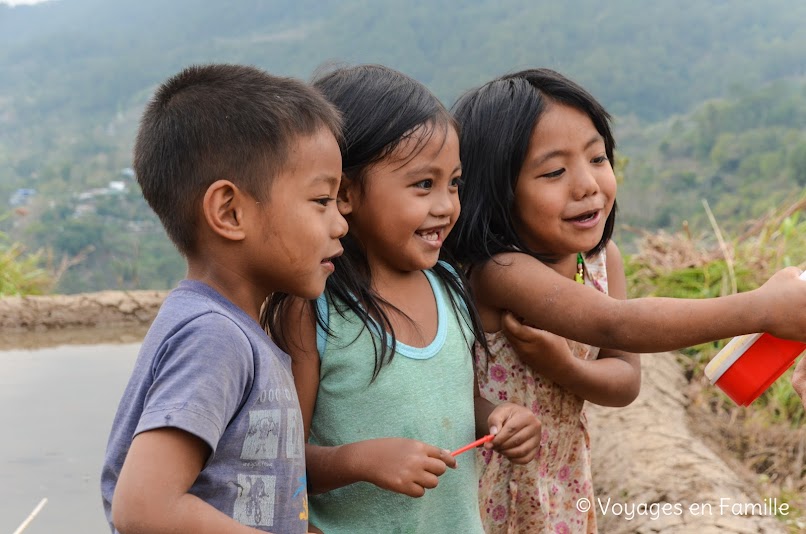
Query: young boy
point(242, 169)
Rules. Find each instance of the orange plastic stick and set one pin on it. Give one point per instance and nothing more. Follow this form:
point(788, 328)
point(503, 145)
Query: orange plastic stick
point(480, 441)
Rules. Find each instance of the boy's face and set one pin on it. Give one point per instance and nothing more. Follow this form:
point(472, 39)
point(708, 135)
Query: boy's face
point(300, 223)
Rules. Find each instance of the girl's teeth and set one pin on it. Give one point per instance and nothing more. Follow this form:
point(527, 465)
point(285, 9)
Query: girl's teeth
point(433, 236)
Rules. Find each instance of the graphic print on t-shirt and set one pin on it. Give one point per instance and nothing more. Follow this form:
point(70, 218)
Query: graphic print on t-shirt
point(294, 445)
point(263, 436)
point(255, 502)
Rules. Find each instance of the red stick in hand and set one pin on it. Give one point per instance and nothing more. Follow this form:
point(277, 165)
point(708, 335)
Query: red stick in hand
point(480, 441)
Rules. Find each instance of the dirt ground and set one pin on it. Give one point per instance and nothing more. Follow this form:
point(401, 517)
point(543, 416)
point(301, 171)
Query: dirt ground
point(652, 473)
point(647, 453)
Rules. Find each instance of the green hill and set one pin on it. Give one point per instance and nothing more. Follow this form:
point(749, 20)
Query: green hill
point(745, 155)
point(76, 73)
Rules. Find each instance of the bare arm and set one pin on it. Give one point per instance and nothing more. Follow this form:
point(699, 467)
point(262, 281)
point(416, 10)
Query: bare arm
point(614, 379)
point(549, 301)
point(299, 327)
point(152, 496)
point(618, 372)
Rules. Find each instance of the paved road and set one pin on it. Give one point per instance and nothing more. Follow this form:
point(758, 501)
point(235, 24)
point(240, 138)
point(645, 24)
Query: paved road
point(56, 407)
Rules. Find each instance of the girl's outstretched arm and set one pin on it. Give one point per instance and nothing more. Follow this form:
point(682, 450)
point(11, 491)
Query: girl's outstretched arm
point(613, 379)
point(549, 301)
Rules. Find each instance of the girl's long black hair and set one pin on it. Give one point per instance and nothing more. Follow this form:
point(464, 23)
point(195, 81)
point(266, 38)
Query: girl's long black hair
point(381, 108)
point(496, 121)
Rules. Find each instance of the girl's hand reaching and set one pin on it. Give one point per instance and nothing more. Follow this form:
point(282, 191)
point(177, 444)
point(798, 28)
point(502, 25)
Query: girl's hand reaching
point(783, 293)
point(519, 434)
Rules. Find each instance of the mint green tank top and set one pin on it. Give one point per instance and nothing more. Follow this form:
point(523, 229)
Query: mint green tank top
point(424, 394)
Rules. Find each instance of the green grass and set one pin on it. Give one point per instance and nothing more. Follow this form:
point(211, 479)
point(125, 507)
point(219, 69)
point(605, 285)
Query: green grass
point(20, 272)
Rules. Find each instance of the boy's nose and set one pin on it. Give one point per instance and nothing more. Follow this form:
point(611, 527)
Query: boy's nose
point(340, 226)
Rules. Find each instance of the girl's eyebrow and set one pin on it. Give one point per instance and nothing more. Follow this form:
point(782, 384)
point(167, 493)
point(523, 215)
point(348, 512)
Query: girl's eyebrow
point(560, 152)
point(430, 169)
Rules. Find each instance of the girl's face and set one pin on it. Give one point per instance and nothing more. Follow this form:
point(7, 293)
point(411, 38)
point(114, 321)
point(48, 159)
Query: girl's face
point(408, 205)
point(566, 187)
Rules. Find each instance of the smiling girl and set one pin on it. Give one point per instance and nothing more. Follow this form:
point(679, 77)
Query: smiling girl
point(383, 360)
point(539, 205)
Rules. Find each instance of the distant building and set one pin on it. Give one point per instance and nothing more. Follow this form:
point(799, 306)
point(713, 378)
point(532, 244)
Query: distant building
point(117, 187)
point(114, 188)
point(21, 197)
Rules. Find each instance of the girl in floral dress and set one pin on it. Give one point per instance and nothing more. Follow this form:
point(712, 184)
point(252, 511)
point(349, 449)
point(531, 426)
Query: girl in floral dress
point(538, 212)
point(562, 467)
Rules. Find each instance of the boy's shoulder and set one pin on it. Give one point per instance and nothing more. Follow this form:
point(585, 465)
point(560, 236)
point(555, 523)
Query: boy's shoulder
point(192, 299)
point(196, 313)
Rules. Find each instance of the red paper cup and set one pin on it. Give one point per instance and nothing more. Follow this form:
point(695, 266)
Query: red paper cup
point(749, 364)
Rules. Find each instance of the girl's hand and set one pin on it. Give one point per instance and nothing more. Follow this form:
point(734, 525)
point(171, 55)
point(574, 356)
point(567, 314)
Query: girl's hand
point(782, 294)
point(548, 354)
point(799, 380)
point(519, 434)
point(404, 465)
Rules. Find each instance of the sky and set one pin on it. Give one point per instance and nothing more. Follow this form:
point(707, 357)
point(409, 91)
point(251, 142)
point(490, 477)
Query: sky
point(19, 2)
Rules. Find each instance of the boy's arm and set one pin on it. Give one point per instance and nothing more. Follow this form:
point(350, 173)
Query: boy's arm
point(549, 301)
point(152, 496)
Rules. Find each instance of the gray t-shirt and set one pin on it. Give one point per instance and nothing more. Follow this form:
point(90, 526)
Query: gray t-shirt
point(208, 368)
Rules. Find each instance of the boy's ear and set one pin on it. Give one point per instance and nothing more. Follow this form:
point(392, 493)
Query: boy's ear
point(223, 207)
point(347, 196)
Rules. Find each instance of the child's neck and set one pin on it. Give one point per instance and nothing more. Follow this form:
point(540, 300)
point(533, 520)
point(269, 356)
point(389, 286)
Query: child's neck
point(414, 316)
point(229, 284)
point(387, 281)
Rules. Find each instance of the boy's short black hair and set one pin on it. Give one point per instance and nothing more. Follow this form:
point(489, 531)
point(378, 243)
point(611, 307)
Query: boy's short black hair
point(221, 121)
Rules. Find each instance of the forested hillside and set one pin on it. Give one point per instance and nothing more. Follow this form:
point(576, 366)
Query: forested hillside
point(76, 73)
point(745, 155)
